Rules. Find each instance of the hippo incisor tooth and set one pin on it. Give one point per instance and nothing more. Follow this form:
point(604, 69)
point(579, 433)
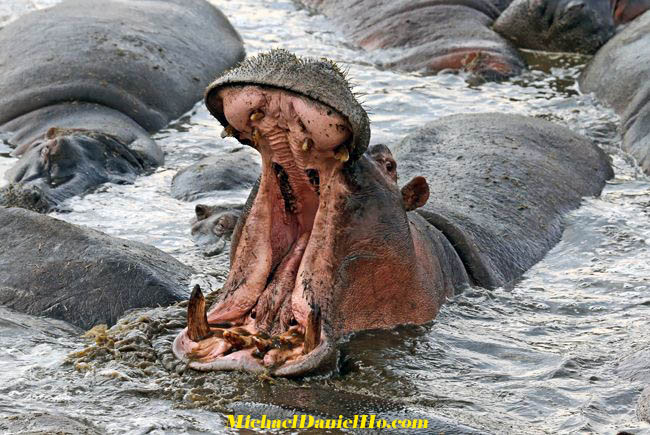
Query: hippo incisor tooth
point(228, 132)
point(307, 144)
point(197, 322)
point(312, 330)
point(257, 115)
point(342, 154)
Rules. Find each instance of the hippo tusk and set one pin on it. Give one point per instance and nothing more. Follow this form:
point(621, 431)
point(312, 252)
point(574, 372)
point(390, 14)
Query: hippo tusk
point(257, 115)
point(312, 330)
point(228, 132)
point(197, 321)
point(256, 136)
point(342, 154)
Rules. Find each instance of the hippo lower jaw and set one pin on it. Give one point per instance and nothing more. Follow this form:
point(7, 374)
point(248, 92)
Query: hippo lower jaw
point(269, 319)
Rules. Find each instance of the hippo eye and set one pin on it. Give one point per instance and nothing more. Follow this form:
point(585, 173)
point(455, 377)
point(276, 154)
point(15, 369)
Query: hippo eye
point(390, 166)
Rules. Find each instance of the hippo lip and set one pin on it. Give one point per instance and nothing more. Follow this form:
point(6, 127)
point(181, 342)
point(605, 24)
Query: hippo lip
point(269, 319)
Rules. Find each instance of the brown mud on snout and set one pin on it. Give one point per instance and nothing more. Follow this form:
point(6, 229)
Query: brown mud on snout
point(267, 320)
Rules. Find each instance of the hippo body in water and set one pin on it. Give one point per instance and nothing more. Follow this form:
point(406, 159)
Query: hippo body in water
point(55, 269)
point(328, 244)
point(427, 35)
point(84, 83)
point(619, 76)
point(577, 26)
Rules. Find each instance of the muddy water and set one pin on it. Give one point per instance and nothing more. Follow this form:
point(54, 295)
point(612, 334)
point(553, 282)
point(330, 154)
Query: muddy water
point(564, 351)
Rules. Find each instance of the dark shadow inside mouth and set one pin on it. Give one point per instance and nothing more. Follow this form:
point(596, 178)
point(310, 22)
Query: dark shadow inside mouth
point(314, 179)
point(285, 188)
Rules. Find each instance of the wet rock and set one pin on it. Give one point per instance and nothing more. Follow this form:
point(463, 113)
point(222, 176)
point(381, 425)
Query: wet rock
point(56, 269)
point(213, 226)
point(236, 169)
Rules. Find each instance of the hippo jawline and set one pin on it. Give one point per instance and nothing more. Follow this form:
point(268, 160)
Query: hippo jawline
point(268, 320)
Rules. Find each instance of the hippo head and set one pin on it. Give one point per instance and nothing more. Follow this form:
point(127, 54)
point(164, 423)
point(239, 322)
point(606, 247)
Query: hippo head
point(213, 227)
point(64, 163)
point(324, 245)
point(625, 11)
point(580, 26)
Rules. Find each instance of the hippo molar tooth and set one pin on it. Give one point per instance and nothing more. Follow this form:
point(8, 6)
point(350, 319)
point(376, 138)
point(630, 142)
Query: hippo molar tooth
point(307, 144)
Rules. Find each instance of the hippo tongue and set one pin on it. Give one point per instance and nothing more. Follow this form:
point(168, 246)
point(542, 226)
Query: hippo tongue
point(273, 311)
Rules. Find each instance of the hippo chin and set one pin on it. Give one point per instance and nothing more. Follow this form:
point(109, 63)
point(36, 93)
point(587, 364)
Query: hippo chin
point(328, 244)
point(79, 108)
point(580, 26)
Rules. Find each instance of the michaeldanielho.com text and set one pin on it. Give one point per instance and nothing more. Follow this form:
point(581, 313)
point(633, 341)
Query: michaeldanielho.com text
point(364, 421)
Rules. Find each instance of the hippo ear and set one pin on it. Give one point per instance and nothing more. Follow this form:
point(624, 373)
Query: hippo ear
point(202, 212)
point(415, 194)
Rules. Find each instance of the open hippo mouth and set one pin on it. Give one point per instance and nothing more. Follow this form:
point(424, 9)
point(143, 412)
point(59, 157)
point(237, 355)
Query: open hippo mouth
point(269, 319)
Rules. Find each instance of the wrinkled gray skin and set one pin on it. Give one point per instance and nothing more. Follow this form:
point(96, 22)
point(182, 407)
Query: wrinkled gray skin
point(84, 83)
point(428, 35)
point(580, 26)
point(213, 226)
point(500, 185)
point(237, 169)
point(619, 75)
point(56, 269)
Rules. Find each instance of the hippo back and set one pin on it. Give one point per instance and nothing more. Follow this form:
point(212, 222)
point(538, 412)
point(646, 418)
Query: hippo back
point(620, 68)
point(149, 59)
point(500, 185)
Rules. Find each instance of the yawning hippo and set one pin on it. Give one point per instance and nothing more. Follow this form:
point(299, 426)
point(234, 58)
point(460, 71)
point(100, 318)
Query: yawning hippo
point(580, 26)
point(84, 83)
point(428, 35)
point(328, 244)
point(619, 75)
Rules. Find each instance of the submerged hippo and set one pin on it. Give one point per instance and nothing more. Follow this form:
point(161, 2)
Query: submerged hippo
point(213, 226)
point(620, 77)
point(428, 35)
point(580, 26)
point(84, 83)
point(328, 244)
